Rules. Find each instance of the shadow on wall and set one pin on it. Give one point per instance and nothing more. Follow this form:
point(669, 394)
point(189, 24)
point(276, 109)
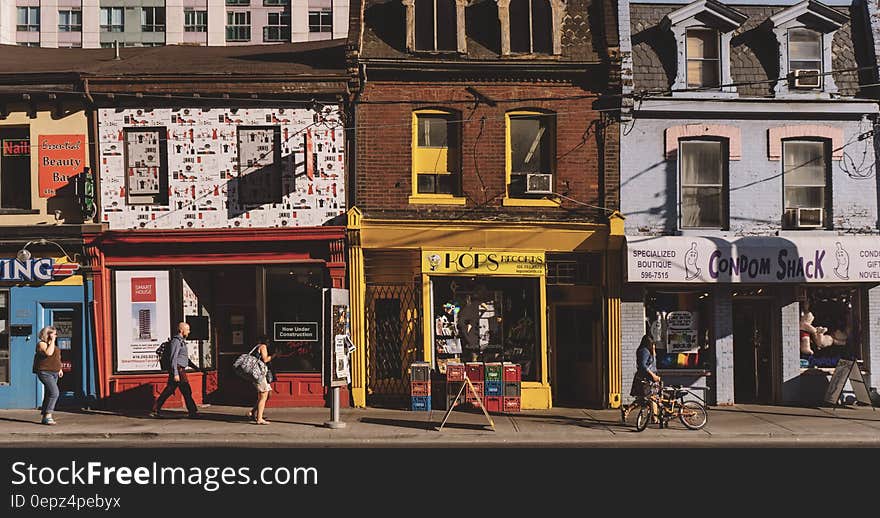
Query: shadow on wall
point(388, 21)
point(663, 44)
point(481, 25)
point(761, 42)
point(65, 201)
point(807, 388)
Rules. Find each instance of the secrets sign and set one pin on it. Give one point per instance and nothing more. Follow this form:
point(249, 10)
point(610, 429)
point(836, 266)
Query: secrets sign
point(61, 157)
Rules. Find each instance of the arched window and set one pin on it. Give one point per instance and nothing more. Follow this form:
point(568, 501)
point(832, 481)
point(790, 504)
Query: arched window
point(531, 26)
point(436, 25)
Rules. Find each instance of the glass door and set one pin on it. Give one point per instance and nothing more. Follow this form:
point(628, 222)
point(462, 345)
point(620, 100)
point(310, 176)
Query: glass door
point(67, 322)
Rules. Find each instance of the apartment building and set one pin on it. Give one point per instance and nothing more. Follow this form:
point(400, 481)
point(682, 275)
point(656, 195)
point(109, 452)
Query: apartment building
point(147, 23)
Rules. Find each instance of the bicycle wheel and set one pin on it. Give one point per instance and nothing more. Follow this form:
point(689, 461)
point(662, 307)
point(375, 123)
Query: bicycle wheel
point(643, 418)
point(693, 415)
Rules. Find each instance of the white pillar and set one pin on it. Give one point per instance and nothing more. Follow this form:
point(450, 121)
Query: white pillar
point(48, 23)
point(91, 28)
point(8, 21)
point(216, 23)
point(173, 22)
point(340, 18)
point(299, 20)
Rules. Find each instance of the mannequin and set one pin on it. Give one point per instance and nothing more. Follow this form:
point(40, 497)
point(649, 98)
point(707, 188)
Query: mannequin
point(811, 336)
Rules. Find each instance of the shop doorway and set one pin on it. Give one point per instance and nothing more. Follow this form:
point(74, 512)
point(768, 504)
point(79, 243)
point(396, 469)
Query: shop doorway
point(575, 357)
point(67, 320)
point(235, 330)
point(752, 345)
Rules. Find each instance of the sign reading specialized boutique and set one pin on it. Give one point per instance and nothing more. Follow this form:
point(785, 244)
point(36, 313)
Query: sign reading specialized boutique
point(143, 318)
point(35, 270)
point(482, 262)
point(61, 156)
point(753, 259)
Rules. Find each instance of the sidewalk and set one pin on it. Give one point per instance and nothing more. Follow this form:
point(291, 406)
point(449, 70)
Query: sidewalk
point(739, 425)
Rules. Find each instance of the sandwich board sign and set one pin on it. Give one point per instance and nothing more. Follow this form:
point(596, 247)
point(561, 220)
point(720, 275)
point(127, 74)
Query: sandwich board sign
point(847, 370)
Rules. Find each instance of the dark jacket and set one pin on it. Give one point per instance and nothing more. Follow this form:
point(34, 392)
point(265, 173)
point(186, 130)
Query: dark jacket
point(645, 362)
point(179, 354)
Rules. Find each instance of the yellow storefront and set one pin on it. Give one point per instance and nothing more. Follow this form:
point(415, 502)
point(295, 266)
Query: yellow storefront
point(403, 273)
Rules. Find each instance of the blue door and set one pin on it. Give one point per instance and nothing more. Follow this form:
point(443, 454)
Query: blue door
point(18, 385)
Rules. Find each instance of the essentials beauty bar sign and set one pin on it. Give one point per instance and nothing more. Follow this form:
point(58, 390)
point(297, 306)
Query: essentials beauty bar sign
point(296, 331)
point(839, 259)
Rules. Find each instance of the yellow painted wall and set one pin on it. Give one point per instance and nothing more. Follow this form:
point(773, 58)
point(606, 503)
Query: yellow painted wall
point(45, 124)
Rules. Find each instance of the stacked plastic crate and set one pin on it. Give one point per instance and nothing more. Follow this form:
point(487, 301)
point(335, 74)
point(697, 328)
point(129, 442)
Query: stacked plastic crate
point(494, 387)
point(420, 386)
point(475, 372)
point(512, 390)
point(454, 380)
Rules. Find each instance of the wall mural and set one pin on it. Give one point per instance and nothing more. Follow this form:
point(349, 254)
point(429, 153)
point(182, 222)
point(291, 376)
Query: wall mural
point(291, 172)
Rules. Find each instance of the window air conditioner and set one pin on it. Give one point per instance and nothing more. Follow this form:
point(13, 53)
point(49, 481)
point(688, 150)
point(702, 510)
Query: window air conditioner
point(539, 183)
point(809, 217)
point(807, 78)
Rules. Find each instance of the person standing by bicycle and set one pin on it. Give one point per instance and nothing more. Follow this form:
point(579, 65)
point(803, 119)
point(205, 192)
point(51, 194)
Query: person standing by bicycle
point(646, 382)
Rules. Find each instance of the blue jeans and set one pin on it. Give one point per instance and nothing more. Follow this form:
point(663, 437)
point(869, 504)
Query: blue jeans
point(50, 396)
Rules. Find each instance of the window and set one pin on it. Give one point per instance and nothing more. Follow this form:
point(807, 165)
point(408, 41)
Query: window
point(489, 319)
point(29, 44)
point(238, 2)
point(112, 19)
point(15, 168)
point(436, 25)
point(436, 152)
point(146, 164)
point(153, 19)
point(278, 28)
point(70, 20)
point(805, 58)
point(275, 2)
point(531, 26)
point(321, 21)
point(195, 21)
point(4, 337)
point(259, 165)
point(680, 323)
point(238, 26)
point(702, 168)
point(840, 312)
point(572, 269)
point(302, 283)
point(702, 58)
point(28, 19)
point(804, 179)
point(530, 154)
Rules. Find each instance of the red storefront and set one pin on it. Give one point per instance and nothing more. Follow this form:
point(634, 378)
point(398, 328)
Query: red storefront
point(232, 285)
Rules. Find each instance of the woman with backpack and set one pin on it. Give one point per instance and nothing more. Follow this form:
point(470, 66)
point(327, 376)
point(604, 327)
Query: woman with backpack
point(262, 384)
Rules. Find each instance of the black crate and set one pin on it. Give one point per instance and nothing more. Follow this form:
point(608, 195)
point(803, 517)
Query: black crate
point(420, 371)
point(512, 389)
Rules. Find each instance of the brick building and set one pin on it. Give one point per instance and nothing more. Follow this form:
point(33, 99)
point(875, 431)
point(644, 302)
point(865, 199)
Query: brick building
point(485, 173)
point(751, 206)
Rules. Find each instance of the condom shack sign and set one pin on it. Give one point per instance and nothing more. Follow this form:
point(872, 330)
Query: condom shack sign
point(61, 157)
point(833, 259)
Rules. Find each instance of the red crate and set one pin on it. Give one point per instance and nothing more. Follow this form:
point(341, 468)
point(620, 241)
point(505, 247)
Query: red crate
point(420, 388)
point(511, 404)
point(478, 387)
point(493, 404)
point(454, 372)
point(475, 371)
point(512, 372)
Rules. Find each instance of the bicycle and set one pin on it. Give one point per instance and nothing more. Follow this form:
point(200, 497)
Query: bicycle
point(670, 403)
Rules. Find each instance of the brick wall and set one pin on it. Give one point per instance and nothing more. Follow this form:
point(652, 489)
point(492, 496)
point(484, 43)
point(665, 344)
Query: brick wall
point(873, 358)
point(791, 357)
point(384, 147)
point(723, 384)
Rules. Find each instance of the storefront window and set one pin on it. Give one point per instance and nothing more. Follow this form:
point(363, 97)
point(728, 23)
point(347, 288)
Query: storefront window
point(488, 319)
point(830, 326)
point(294, 306)
point(196, 291)
point(679, 322)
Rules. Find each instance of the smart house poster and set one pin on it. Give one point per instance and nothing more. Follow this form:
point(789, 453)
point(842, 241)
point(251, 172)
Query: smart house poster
point(143, 318)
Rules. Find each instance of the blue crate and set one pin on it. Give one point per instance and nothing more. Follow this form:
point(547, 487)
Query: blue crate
point(421, 403)
point(493, 388)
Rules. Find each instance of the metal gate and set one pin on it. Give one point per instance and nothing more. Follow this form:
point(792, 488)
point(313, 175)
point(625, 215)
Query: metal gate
point(394, 337)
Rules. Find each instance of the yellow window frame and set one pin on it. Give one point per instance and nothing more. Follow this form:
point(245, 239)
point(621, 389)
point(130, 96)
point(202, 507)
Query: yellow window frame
point(430, 155)
point(508, 166)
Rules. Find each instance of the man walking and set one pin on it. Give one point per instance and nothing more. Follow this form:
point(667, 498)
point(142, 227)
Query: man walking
point(177, 374)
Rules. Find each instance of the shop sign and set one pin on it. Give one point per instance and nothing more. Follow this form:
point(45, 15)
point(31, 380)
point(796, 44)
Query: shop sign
point(296, 331)
point(483, 262)
point(681, 332)
point(61, 157)
point(143, 318)
point(838, 259)
point(36, 270)
point(16, 147)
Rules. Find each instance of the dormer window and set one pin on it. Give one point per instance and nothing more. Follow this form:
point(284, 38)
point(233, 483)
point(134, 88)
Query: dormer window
point(804, 32)
point(436, 25)
point(531, 27)
point(702, 31)
point(703, 68)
